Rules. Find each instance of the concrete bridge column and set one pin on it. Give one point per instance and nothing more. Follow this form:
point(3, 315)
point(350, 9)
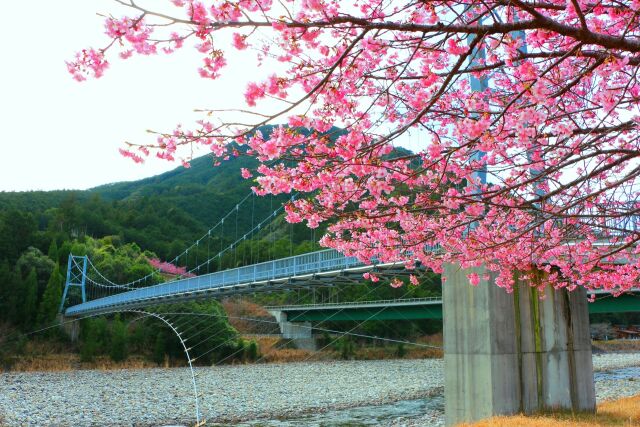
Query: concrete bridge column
point(299, 332)
point(509, 353)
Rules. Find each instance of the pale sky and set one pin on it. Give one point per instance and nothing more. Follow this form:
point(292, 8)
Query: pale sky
point(56, 133)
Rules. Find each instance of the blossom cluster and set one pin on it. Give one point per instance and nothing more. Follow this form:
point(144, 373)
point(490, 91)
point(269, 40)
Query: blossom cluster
point(169, 268)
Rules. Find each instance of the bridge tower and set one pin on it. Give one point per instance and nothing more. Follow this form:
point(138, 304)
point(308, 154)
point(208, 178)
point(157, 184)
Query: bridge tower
point(76, 276)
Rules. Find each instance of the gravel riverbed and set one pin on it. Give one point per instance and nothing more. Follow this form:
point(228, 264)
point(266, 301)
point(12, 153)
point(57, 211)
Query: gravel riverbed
point(244, 392)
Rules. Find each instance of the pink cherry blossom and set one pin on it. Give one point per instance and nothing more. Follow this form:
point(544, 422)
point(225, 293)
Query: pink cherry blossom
point(169, 268)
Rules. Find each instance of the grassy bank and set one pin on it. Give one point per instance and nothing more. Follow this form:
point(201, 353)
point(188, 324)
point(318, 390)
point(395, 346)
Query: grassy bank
point(622, 412)
point(278, 350)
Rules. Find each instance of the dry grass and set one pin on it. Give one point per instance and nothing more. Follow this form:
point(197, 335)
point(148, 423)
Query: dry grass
point(286, 355)
point(435, 339)
point(49, 362)
point(380, 353)
point(272, 353)
point(622, 412)
point(627, 409)
point(617, 345)
point(243, 308)
point(51, 355)
point(238, 309)
point(70, 361)
point(104, 363)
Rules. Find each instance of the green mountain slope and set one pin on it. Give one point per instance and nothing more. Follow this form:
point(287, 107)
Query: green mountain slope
point(203, 191)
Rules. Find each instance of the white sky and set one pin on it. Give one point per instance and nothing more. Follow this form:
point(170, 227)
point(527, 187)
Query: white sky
point(56, 133)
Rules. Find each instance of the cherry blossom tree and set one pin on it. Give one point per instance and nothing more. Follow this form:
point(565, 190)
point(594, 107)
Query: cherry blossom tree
point(169, 268)
point(527, 112)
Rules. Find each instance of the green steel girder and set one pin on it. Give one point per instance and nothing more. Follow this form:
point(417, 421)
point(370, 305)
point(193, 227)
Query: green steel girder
point(623, 304)
point(432, 311)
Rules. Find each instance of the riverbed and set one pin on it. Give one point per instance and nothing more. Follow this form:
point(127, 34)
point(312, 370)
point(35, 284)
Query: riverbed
point(386, 392)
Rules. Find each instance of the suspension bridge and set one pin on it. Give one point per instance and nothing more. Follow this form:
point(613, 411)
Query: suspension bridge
point(320, 268)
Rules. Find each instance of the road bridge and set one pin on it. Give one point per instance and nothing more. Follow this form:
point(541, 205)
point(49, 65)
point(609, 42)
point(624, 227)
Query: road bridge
point(420, 308)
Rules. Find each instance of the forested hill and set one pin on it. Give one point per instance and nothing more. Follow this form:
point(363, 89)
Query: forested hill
point(203, 191)
point(161, 213)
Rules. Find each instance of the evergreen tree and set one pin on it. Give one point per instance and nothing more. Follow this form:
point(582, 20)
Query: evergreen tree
point(7, 293)
point(159, 348)
point(88, 343)
point(101, 332)
point(53, 251)
point(29, 299)
point(118, 350)
point(51, 298)
point(63, 252)
point(17, 233)
point(15, 298)
point(33, 258)
point(252, 351)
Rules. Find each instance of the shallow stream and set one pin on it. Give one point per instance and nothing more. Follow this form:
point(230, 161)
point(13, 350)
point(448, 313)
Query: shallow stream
point(356, 417)
point(398, 411)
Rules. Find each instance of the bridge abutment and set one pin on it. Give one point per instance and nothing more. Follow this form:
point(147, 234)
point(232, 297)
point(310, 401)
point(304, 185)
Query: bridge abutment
point(510, 353)
point(299, 332)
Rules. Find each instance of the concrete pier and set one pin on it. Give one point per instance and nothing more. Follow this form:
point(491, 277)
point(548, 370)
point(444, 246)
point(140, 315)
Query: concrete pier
point(70, 327)
point(510, 353)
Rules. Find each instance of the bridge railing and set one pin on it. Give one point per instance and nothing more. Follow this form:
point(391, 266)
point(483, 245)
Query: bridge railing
point(356, 303)
point(299, 265)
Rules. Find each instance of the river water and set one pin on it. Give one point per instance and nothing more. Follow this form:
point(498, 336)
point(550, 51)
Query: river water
point(629, 374)
point(356, 417)
point(404, 409)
